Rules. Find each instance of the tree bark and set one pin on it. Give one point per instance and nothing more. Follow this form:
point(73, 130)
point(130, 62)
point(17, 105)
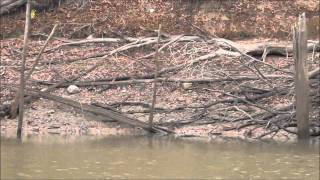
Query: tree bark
point(301, 78)
point(22, 71)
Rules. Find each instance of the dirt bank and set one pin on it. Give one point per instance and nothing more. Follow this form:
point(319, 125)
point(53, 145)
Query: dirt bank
point(209, 108)
point(239, 19)
point(188, 109)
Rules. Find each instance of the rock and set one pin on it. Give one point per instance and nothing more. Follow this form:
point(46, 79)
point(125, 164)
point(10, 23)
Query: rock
point(73, 89)
point(51, 111)
point(90, 36)
point(186, 86)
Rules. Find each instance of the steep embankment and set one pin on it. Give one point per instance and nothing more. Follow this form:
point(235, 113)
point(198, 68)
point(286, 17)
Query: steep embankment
point(229, 19)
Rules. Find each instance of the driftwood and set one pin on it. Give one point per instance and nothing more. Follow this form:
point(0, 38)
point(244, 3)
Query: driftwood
point(301, 77)
point(108, 114)
point(263, 49)
point(243, 102)
point(229, 48)
point(119, 81)
point(155, 82)
point(271, 49)
point(133, 43)
point(21, 91)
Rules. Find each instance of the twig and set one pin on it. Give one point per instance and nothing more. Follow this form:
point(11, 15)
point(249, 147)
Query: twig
point(40, 53)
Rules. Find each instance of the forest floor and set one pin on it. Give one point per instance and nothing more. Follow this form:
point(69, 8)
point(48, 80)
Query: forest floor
point(187, 108)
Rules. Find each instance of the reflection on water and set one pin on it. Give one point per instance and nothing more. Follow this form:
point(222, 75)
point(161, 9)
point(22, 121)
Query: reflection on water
point(143, 157)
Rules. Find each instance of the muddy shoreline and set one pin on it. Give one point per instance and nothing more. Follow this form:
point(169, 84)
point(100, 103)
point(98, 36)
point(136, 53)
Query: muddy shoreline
point(45, 118)
point(196, 109)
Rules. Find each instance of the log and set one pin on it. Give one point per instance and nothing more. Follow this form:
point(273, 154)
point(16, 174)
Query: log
point(274, 49)
point(100, 82)
point(106, 113)
point(21, 91)
point(133, 42)
point(301, 78)
point(259, 49)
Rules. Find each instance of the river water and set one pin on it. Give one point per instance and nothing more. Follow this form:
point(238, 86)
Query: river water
point(55, 157)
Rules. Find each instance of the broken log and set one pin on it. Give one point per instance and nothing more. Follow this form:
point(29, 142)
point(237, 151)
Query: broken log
point(108, 114)
point(301, 78)
point(259, 49)
point(273, 49)
point(100, 82)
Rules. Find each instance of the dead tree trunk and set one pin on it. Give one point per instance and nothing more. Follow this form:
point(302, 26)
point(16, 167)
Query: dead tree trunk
point(154, 96)
point(301, 78)
point(22, 70)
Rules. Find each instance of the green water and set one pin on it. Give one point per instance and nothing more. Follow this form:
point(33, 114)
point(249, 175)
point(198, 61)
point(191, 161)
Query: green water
point(56, 157)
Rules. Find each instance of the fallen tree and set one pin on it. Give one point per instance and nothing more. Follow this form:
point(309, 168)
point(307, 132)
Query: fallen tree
point(105, 113)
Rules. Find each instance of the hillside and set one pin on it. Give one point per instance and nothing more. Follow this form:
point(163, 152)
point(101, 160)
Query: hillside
point(239, 19)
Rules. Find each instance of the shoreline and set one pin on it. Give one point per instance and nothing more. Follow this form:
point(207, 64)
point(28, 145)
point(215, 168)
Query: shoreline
point(44, 121)
point(194, 100)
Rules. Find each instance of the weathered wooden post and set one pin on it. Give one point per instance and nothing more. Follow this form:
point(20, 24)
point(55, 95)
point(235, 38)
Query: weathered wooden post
point(22, 70)
point(154, 95)
point(301, 77)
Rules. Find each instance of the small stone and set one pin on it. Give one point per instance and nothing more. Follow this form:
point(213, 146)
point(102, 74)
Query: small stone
point(186, 86)
point(51, 111)
point(90, 36)
point(73, 89)
point(6, 103)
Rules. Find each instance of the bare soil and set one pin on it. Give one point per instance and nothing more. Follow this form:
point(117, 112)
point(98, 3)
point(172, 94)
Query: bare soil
point(241, 19)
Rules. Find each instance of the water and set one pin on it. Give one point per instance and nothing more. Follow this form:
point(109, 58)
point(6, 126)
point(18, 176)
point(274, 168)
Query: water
point(55, 157)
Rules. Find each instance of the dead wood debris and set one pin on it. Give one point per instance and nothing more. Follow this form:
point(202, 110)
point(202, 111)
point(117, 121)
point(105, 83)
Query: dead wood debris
point(227, 81)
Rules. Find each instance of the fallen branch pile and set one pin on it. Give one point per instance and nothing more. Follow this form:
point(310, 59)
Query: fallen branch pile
point(202, 82)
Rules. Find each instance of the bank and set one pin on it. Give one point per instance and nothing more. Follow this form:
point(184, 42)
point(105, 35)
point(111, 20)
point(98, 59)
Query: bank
point(213, 92)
